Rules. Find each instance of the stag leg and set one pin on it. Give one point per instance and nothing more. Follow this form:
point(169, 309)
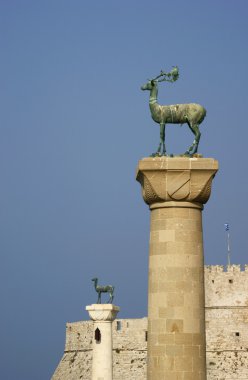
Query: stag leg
point(162, 143)
point(111, 297)
point(194, 147)
point(99, 297)
point(162, 136)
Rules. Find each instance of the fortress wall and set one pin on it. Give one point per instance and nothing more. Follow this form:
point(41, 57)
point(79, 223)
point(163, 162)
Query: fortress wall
point(76, 361)
point(226, 288)
point(226, 333)
point(226, 292)
point(130, 349)
point(78, 336)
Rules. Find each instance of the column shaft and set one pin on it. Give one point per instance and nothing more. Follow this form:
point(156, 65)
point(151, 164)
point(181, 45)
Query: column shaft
point(176, 320)
point(102, 361)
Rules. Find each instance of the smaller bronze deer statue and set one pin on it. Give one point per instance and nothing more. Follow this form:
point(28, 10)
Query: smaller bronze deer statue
point(192, 114)
point(103, 289)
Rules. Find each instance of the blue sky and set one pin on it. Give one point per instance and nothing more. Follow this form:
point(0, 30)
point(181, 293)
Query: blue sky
point(74, 124)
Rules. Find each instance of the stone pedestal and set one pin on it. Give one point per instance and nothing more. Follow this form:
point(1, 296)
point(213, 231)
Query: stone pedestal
point(176, 189)
point(102, 362)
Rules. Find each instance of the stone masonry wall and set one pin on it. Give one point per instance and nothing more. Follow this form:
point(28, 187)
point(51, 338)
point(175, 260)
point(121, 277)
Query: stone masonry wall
point(227, 322)
point(226, 332)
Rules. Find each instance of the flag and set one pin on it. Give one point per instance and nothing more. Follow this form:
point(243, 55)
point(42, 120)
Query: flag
point(226, 226)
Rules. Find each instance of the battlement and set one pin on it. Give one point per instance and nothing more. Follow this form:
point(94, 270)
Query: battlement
point(234, 268)
point(226, 285)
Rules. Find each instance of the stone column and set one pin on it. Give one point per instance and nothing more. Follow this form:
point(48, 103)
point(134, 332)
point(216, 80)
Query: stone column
point(176, 189)
point(102, 361)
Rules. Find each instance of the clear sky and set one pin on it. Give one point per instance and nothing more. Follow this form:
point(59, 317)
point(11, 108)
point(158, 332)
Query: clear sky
point(74, 124)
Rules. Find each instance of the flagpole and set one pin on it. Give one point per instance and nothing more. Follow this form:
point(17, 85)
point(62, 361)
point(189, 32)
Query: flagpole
point(228, 248)
point(228, 244)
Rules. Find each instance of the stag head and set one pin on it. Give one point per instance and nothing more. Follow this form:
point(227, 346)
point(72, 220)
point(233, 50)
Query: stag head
point(172, 76)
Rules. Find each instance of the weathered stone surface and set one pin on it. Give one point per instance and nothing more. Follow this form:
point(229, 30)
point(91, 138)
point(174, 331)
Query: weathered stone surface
point(227, 322)
point(176, 179)
point(227, 353)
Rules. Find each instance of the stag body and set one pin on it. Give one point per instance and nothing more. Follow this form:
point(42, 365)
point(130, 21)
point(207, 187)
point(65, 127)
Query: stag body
point(103, 289)
point(192, 114)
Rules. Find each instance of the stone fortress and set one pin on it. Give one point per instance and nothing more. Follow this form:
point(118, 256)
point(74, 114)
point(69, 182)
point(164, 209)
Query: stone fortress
point(197, 321)
point(226, 316)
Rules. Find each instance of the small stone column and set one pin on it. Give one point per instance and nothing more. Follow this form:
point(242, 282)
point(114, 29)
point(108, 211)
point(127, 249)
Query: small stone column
point(176, 189)
point(102, 362)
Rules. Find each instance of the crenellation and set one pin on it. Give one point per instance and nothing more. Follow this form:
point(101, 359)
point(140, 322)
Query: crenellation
point(226, 288)
point(226, 314)
point(214, 269)
point(208, 269)
point(233, 268)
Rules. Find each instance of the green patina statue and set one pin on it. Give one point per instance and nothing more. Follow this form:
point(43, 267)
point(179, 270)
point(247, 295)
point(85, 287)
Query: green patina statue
point(103, 289)
point(192, 114)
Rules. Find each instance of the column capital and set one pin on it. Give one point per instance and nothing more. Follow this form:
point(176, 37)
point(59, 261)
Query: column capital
point(179, 179)
point(103, 312)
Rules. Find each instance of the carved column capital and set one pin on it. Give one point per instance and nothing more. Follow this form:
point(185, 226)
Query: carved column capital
point(179, 179)
point(103, 312)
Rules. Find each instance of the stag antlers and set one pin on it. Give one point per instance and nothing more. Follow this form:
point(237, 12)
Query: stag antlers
point(172, 76)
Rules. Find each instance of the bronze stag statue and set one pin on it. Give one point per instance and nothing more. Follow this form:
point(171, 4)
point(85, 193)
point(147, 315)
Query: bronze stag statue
point(103, 289)
point(192, 114)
